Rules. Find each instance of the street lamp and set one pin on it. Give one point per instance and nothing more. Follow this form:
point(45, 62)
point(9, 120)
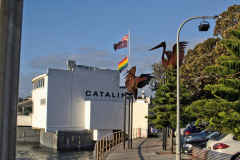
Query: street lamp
point(202, 27)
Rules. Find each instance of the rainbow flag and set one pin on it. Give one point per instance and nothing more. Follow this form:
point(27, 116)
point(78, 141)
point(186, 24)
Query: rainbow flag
point(123, 64)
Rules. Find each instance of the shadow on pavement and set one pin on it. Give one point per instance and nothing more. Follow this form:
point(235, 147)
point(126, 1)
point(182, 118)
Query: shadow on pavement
point(139, 150)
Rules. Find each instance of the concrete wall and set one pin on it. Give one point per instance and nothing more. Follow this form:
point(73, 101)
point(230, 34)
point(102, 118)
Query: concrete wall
point(67, 140)
point(27, 134)
point(48, 139)
point(23, 120)
point(81, 140)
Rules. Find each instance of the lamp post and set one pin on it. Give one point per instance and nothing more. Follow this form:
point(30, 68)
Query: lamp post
point(203, 27)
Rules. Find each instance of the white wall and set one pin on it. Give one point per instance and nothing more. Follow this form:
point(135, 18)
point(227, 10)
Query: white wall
point(104, 115)
point(140, 110)
point(59, 102)
point(68, 91)
point(97, 134)
point(39, 111)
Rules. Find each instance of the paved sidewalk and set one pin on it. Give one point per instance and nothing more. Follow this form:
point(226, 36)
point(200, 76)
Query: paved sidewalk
point(143, 149)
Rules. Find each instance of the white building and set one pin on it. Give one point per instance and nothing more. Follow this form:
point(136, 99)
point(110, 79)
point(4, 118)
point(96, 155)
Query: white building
point(81, 98)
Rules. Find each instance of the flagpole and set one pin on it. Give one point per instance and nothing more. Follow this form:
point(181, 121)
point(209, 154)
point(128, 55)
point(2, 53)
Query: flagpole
point(129, 49)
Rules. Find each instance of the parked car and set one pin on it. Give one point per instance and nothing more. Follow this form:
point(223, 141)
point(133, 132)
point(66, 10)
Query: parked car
point(195, 136)
point(193, 129)
point(227, 144)
point(198, 142)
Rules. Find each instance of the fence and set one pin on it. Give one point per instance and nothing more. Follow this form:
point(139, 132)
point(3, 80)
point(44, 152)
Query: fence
point(202, 154)
point(199, 154)
point(108, 142)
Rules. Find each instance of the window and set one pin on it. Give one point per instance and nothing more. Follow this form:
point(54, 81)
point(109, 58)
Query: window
point(42, 101)
point(38, 84)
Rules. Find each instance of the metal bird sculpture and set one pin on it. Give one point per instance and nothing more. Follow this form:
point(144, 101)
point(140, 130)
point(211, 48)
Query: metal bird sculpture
point(134, 82)
point(171, 60)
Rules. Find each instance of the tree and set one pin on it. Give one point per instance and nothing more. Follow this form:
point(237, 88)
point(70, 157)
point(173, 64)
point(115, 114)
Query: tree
point(159, 75)
point(230, 19)
point(223, 112)
point(164, 103)
point(193, 75)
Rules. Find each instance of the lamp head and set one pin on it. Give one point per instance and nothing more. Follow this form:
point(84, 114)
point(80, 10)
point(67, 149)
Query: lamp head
point(204, 26)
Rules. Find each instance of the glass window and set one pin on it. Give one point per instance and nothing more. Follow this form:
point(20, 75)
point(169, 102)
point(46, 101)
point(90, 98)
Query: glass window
point(42, 101)
point(38, 84)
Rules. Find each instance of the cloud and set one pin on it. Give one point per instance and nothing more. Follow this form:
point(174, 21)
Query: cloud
point(51, 61)
point(90, 56)
point(25, 84)
point(85, 56)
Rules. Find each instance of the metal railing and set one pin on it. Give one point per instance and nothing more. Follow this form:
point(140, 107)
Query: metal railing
point(108, 142)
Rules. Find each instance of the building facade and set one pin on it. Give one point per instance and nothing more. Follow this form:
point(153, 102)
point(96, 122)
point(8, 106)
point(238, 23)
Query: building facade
point(79, 99)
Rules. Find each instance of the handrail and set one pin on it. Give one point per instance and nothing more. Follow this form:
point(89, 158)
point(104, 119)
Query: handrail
point(107, 142)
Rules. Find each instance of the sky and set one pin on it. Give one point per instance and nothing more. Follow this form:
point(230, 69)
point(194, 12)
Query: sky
point(54, 31)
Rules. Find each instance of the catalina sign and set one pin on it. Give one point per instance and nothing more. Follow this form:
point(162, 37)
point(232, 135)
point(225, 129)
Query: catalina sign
point(102, 94)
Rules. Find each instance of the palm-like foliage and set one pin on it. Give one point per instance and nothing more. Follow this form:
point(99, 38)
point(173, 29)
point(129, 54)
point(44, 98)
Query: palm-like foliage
point(223, 111)
point(164, 103)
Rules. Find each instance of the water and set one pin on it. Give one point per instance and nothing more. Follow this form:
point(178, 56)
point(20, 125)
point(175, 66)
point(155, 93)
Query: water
point(36, 151)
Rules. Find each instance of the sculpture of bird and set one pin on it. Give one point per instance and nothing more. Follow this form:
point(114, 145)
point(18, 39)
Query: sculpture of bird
point(171, 60)
point(134, 82)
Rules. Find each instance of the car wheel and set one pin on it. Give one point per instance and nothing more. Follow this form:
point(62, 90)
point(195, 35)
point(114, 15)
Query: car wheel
point(236, 157)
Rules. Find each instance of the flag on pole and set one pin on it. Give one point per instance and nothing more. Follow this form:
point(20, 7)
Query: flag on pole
point(123, 64)
point(121, 44)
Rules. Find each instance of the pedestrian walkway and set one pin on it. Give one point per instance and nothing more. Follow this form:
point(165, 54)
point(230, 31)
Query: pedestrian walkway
point(142, 149)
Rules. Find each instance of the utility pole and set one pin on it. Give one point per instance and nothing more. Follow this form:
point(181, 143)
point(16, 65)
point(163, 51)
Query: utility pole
point(11, 12)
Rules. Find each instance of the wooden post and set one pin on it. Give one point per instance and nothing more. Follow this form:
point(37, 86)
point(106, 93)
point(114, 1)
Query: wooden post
point(100, 149)
point(113, 140)
point(109, 138)
point(11, 12)
point(119, 138)
point(97, 152)
point(103, 148)
point(139, 132)
point(106, 143)
point(115, 137)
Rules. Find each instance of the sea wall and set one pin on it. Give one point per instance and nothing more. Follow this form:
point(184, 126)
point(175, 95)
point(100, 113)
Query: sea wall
point(68, 140)
point(27, 134)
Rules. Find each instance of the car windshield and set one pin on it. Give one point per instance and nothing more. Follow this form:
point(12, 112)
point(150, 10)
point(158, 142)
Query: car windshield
point(212, 135)
point(203, 131)
point(219, 137)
